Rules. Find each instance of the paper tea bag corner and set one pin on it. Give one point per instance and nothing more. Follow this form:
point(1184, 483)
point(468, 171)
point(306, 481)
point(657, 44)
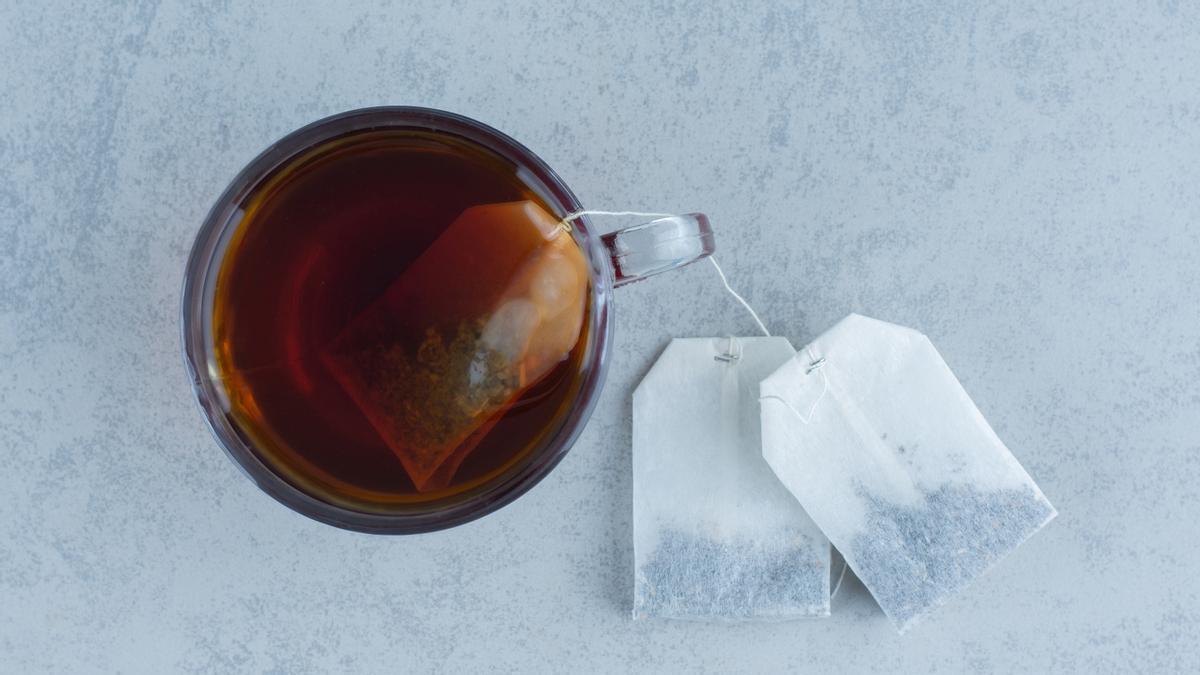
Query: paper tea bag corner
point(715, 534)
point(874, 435)
point(433, 364)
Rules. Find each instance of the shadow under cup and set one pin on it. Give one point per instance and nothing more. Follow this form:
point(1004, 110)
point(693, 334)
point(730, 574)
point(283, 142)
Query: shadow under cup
point(221, 237)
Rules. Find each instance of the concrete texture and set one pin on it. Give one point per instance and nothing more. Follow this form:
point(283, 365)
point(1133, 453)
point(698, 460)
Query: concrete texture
point(1018, 183)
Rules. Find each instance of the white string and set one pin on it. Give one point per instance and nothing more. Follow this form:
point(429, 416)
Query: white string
point(815, 365)
point(838, 586)
point(739, 298)
point(575, 214)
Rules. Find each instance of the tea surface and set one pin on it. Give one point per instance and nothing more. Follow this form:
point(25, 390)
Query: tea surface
point(372, 283)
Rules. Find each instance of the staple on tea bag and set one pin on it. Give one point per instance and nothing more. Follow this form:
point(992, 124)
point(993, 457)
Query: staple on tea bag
point(876, 438)
point(434, 364)
point(716, 535)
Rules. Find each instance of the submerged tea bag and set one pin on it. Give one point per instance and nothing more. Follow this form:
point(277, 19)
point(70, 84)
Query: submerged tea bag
point(434, 363)
point(716, 536)
point(874, 435)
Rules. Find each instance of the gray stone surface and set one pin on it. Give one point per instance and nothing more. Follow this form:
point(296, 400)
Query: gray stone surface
point(1018, 183)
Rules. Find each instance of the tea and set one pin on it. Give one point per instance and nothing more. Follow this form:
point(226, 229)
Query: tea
point(400, 318)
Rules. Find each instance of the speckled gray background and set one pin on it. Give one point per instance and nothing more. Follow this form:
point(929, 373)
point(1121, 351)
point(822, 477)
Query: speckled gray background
point(1020, 184)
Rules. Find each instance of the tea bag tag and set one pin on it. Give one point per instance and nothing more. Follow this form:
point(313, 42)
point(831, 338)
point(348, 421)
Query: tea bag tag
point(716, 535)
point(873, 434)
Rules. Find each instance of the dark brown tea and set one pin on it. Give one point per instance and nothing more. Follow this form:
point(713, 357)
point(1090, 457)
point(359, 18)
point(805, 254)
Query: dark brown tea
point(399, 318)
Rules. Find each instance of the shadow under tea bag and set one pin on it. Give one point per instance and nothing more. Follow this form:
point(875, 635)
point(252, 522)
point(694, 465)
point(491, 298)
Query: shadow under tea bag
point(434, 363)
point(715, 534)
point(874, 435)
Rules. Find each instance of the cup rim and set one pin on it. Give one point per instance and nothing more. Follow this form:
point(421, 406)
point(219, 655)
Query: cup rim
point(196, 301)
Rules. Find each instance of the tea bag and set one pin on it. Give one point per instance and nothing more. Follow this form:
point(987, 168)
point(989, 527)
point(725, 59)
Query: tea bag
point(874, 435)
point(716, 536)
point(434, 363)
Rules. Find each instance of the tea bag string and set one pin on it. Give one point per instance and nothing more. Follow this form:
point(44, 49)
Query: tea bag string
point(588, 212)
point(841, 577)
point(739, 298)
point(712, 259)
point(814, 365)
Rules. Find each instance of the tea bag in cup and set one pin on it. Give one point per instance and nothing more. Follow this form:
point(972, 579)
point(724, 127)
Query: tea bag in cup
point(716, 535)
point(874, 435)
point(434, 364)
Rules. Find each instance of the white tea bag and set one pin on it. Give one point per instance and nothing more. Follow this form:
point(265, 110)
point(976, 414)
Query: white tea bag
point(715, 534)
point(874, 435)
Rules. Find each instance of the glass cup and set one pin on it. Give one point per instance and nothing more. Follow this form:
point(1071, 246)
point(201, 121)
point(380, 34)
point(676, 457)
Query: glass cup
point(614, 259)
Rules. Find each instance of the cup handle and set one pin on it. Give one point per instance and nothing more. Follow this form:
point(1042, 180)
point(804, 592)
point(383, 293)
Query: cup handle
point(659, 245)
